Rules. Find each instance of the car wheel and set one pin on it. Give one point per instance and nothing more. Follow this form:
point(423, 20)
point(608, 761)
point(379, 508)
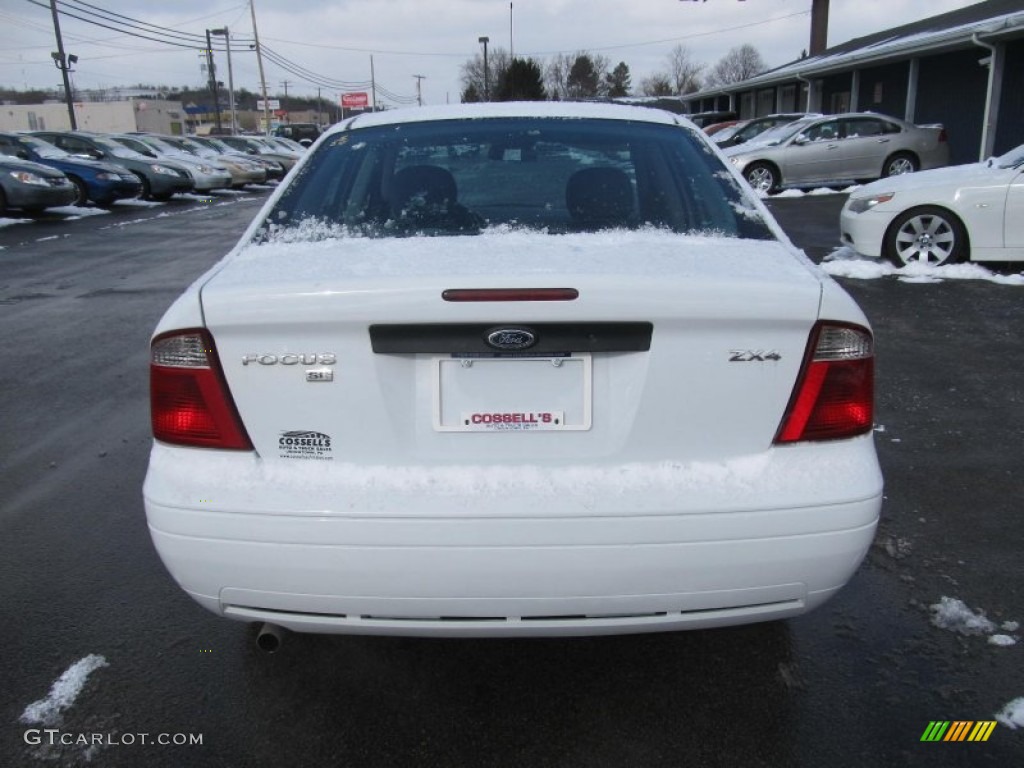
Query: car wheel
point(926, 236)
point(900, 163)
point(81, 189)
point(147, 191)
point(763, 177)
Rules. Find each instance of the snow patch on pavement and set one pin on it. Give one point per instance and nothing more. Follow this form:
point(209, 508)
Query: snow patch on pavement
point(1012, 715)
point(63, 692)
point(845, 262)
point(954, 615)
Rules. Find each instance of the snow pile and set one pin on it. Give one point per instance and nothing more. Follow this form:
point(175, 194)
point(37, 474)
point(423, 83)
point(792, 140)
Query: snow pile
point(76, 211)
point(845, 262)
point(9, 222)
point(954, 615)
point(63, 692)
point(803, 192)
point(1012, 715)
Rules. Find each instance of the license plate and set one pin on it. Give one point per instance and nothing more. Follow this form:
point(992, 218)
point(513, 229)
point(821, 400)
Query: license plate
point(517, 394)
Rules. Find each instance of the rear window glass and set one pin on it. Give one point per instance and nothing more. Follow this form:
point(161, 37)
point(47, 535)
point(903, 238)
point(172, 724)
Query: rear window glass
point(552, 175)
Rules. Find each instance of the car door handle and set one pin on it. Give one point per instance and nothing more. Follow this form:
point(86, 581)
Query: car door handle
point(883, 141)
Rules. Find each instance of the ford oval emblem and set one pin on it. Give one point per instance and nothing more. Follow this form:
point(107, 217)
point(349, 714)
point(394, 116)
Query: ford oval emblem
point(511, 338)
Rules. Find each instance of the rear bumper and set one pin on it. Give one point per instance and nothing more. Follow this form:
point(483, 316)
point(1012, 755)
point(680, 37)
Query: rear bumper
point(431, 566)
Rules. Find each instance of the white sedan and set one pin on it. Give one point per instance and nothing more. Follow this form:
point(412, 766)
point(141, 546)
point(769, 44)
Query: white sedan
point(942, 216)
point(512, 369)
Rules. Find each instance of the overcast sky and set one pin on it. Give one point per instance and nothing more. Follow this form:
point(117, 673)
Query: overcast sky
point(334, 40)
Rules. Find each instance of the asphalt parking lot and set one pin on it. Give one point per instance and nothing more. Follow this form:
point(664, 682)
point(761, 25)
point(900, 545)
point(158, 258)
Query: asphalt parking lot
point(854, 684)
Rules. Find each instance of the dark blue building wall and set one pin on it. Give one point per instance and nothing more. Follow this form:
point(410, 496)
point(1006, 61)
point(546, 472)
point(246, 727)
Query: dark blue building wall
point(884, 89)
point(1010, 128)
point(832, 86)
point(951, 90)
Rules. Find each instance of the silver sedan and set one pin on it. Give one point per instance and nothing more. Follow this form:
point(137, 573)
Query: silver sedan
point(833, 149)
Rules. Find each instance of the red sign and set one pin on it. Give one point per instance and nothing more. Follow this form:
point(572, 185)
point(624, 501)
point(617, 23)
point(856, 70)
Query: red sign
point(355, 100)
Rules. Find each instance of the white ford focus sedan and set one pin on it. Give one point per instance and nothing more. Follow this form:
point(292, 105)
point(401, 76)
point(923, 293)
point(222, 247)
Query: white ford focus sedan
point(512, 369)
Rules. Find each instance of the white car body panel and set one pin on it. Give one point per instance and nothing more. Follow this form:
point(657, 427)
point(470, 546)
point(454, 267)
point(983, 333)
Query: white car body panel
point(671, 508)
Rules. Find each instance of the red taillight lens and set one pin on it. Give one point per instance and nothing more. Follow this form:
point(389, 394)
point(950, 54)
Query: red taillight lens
point(835, 393)
point(943, 138)
point(189, 399)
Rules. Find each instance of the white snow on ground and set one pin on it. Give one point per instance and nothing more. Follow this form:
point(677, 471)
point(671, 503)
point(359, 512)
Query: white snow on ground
point(954, 615)
point(1012, 715)
point(138, 203)
point(63, 692)
point(10, 222)
point(1002, 640)
point(804, 192)
point(845, 262)
point(77, 211)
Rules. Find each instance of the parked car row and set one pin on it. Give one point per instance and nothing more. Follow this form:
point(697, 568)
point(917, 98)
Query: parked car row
point(103, 168)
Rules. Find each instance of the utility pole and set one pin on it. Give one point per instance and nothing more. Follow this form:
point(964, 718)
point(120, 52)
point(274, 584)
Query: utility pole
point(63, 63)
point(211, 71)
point(284, 104)
point(259, 60)
point(373, 86)
point(419, 91)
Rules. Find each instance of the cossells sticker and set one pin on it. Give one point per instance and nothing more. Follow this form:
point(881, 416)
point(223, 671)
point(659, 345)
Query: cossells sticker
point(304, 444)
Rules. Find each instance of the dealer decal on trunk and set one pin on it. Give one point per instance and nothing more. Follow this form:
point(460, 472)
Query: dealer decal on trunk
point(305, 444)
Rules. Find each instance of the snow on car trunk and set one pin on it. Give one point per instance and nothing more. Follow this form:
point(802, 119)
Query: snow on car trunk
point(676, 347)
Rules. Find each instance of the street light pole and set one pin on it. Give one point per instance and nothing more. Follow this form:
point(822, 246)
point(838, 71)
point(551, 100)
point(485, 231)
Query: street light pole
point(231, 77)
point(487, 88)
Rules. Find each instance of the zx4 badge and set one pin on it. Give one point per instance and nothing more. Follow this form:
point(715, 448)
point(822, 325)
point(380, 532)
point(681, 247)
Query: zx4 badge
point(753, 356)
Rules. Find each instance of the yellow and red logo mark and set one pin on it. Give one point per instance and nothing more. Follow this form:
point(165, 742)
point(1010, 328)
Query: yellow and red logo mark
point(958, 730)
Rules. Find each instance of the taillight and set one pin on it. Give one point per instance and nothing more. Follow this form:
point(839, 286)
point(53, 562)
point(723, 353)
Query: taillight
point(834, 395)
point(943, 138)
point(189, 398)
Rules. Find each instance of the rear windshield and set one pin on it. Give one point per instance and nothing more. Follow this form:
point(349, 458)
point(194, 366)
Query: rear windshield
point(551, 175)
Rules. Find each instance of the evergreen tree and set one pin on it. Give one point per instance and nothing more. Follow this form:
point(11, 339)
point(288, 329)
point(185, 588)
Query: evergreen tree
point(470, 95)
point(618, 81)
point(521, 81)
point(584, 79)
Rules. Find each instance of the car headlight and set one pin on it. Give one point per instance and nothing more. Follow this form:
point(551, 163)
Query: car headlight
point(29, 178)
point(207, 170)
point(105, 176)
point(861, 204)
point(163, 169)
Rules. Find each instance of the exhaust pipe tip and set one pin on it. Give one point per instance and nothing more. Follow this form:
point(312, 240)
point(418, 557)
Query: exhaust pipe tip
point(270, 637)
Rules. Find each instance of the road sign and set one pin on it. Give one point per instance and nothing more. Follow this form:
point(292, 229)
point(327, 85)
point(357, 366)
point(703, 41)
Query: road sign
point(270, 104)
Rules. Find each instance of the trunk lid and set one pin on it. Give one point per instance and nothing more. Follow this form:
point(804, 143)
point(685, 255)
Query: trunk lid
point(727, 322)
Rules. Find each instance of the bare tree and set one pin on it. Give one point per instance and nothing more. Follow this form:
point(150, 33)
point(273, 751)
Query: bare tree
point(656, 85)
point(740, 63)
point(473, 70)
point(683, 71)
point(579, 75)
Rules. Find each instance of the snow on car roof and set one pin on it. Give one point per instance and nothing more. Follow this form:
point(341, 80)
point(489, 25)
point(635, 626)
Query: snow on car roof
point(542, 109)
